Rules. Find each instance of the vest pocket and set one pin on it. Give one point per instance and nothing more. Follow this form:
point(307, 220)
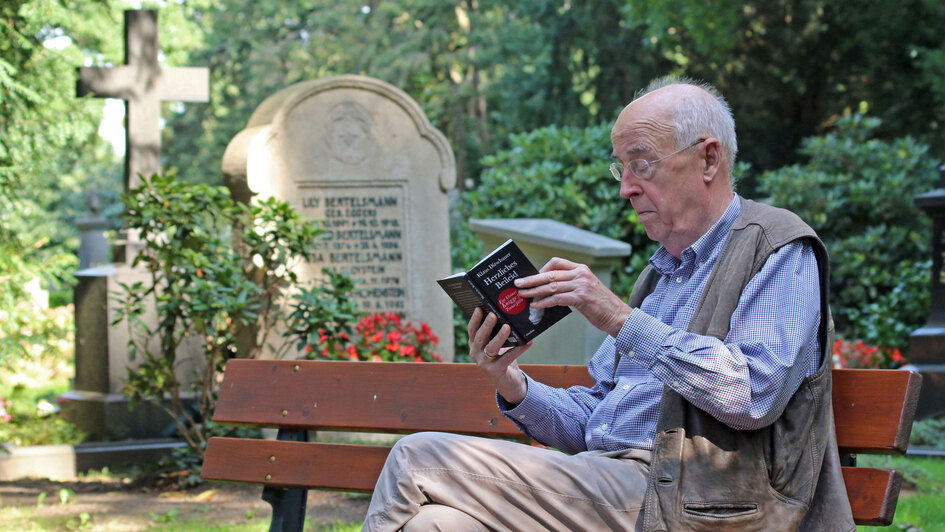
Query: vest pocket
point(720, 510)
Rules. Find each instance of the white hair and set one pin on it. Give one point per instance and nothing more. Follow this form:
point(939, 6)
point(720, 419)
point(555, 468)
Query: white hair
point(696, 118)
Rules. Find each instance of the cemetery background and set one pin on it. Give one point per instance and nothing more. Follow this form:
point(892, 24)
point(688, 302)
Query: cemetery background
point(524, 93)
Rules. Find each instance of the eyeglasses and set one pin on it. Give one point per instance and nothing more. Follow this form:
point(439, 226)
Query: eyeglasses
point(641, 167)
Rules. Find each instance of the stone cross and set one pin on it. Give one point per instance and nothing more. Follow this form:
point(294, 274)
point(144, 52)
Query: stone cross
point(143, 84)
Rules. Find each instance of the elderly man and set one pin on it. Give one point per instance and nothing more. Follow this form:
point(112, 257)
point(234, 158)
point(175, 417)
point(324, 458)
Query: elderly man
point(711, 408)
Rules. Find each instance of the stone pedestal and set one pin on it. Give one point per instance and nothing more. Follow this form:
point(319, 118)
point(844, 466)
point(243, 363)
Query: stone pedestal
point(927, 344)
point(573, 340)
point(96, 404)
point(93, 247)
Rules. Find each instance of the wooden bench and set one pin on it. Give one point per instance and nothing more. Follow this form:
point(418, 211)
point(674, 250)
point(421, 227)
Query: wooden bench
point(873, 412)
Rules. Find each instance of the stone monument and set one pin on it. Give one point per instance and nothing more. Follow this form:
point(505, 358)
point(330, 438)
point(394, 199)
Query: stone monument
point(96, 403)
point(358, 155)
point(573, 340)
point(927, 344)
point(93, 247)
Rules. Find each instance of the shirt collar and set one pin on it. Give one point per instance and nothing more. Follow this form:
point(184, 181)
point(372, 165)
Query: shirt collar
point(664, 263)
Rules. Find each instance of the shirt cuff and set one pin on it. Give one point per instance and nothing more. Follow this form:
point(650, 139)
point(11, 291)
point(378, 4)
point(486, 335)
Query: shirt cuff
point(533, 408)
point(641, 338)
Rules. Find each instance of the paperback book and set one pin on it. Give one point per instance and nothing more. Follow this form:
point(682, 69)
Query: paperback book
point(489, 285)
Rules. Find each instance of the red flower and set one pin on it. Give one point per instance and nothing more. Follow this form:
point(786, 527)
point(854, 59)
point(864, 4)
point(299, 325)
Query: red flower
point(407, 350)
point(308, 348)
point(376, 358)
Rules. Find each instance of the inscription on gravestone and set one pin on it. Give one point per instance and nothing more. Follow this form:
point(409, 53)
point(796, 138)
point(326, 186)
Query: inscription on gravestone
point(364, 239)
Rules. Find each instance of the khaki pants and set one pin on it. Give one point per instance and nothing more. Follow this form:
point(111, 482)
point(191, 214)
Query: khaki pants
point(437, 481)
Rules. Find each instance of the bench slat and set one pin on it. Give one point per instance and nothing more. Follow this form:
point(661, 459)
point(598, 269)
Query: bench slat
point(378, 397)
point(873, 409)
point(873, 492)
point(339, 466)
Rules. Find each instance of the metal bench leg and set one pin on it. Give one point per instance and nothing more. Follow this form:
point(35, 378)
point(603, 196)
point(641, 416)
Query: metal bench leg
point(288, 504)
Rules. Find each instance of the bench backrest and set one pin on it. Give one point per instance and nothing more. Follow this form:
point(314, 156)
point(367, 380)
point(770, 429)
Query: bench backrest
point(873, 414)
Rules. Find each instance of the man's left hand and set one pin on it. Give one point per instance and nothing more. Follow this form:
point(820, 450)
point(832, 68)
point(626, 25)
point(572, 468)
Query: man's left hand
point(564, 283)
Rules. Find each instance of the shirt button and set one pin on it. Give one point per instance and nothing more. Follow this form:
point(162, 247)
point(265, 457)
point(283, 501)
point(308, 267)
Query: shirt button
point(701, 263)
point(604, 427)
point(521, 416)
point(626, 386)
point(679, 280)
point(675, 384)
point(631, 354)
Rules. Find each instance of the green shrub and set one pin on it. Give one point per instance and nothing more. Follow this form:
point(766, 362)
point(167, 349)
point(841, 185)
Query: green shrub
point(219, 272)
point(857, 193)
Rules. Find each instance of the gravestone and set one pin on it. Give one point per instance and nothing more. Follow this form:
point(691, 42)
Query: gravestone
point(358, 155)
point(927, 344)
point(573, 340)
point(96, 403)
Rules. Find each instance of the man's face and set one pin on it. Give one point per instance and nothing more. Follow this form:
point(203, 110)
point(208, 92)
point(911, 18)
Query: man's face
point(664, 203)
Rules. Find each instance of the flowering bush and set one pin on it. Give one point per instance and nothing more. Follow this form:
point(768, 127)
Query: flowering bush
point(857, 354)
point(378, 337)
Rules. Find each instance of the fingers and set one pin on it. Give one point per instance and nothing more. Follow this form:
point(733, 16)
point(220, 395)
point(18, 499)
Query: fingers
point(555, 271)
point(483, 346)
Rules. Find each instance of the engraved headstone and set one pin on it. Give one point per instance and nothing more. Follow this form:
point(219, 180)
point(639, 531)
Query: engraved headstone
point(360, 156)
point(927, 344)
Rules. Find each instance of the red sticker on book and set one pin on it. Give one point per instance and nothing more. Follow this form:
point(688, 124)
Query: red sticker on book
point(510, 302)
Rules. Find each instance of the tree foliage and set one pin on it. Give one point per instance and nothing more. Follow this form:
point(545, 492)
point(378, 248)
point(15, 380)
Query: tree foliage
point(857, 193)
point(791, 67)
point(50, 156)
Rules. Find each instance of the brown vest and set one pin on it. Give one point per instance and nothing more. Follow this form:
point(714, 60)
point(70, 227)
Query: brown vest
point(707, 476)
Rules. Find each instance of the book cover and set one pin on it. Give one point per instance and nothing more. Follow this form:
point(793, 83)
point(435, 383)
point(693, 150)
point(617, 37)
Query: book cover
point(489, 285)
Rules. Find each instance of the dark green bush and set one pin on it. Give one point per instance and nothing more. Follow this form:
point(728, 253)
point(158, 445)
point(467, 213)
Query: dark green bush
point(857, 193)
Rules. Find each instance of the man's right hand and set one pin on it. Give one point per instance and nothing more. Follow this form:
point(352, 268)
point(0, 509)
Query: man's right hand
point(499, 364)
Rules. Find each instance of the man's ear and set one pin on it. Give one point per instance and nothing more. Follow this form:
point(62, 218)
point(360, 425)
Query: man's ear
point(712, 159)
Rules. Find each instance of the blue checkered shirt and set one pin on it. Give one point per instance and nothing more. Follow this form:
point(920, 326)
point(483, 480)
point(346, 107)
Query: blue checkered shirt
point(744, 381)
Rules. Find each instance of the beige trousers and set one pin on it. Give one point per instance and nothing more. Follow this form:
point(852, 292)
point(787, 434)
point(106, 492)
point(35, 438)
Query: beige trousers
point(438, 481)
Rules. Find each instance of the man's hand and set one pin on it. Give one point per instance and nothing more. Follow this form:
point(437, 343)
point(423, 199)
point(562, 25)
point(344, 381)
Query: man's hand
point(564, 283)
point(498, 364)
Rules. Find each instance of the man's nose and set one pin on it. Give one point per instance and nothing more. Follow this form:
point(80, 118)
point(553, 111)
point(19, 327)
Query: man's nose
point(630, 187)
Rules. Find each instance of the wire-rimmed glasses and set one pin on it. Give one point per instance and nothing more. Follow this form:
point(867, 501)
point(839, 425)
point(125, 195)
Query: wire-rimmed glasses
point(642, 168)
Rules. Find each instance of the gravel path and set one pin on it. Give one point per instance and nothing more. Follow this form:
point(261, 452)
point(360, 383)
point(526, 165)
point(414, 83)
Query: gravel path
point(112, 506)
